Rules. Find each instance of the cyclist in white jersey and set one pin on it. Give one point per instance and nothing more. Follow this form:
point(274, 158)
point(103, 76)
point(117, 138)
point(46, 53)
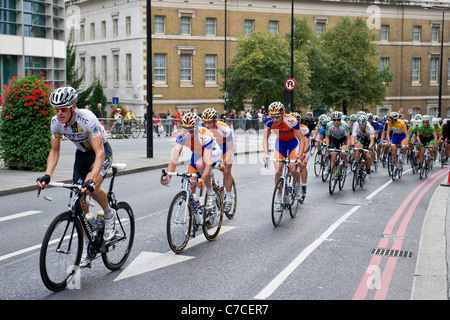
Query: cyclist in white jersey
point(93, 157)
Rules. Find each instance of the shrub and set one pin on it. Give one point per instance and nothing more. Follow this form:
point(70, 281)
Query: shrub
point(25, 122)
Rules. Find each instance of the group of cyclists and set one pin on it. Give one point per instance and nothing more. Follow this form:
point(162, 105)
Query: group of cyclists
point(212, 143)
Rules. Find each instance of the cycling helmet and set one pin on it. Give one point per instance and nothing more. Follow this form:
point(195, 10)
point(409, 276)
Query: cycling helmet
point(435, 121)
point(309, 113)
point(63, 97)
point(369, 116)
point(209, 114)
point(401, 116)
point(426, 118)
point(336, 115)
point(276, 108)
point(418, 117)
point(393, 115)
point(362, 121)
point(296, 115)
point(353, 117)
point(189, 120)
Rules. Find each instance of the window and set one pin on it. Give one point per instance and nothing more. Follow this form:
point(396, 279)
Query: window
point(104, 70)
point(34, 19)
point(185, 25)
point(92, 31)
point(432, 112)
point(116, 69)
point(383, 112)
point(210, 68)
point(129, 68)
point(185, 68)
point(72, 34)
point(160, 24)
point(415, 77)
point(210, 26)
point(273, 27)
point(320, 28)
point(384, 62)
point(83, 68)
point(415, 111)
point(434, 34)
point(103, 29)
point(434, 70)
point(82, 32)
point(416, 33)
point(35, 65)
point(384, 33)
point(128, 25)
point(93, 68)
point(116, 27)
point(249, 26)
point(160, 68)
point(7, 17)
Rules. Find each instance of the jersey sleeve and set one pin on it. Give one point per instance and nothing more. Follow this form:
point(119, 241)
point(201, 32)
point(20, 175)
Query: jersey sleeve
point(54, 128)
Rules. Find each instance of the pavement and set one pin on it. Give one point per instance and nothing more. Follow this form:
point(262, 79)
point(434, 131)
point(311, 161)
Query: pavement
point(431, 280)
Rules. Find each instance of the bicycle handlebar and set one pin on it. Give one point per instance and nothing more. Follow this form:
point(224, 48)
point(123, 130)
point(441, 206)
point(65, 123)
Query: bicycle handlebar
point(285, 160)
point(182, 174)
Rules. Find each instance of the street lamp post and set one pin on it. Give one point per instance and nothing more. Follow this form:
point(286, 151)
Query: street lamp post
point(149, 83)
point(225, 93)
point(443, 9)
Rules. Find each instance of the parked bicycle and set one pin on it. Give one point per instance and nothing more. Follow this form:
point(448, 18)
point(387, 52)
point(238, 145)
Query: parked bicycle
point(284, 196)
point(180, 220)
point(338, 172)
point(62, 245)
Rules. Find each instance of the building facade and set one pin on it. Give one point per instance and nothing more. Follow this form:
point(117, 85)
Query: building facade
point(110, 39)
point(32, 39)
point(188, 47)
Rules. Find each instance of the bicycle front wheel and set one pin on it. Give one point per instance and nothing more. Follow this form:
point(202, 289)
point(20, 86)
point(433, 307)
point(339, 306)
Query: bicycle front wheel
point(333, 177)
point(212, 218)
point(278, 202)
point(318, 163)
point(118, 249)
point(326, 168)
point(179, 222)
point(61, 251)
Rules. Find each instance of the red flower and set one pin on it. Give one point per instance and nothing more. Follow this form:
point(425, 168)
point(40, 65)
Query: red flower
point(8, 116)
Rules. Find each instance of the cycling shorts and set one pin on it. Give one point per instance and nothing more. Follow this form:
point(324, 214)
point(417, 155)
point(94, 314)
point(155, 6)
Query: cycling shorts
point(284, 149)
point(84, 162)
point(399, 139)
point(195, 158)
point(427, 140)
point(337, 143)
point(365, 141)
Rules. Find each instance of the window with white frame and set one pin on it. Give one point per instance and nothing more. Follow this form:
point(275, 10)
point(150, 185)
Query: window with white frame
point(185, 27)
point(320, 28)
point(210, 26)
point(416, 33)
point(273, 27)
point(160, 24)
point(129, 68)
point(160, 68)
point(116, 27)
point(433, 111)
point(103, 29)
point(83, 68)
point(415, 75)
point(93, 68)
point(384, 62)
point(249, 26)
point(128, 25)
point(210, 68)
point(82, 36)
point(186, 68)
point(434, 62)
point(104, 70)
point(384, 33)
point(92, 31)
point(116, 69)
point(435, 34)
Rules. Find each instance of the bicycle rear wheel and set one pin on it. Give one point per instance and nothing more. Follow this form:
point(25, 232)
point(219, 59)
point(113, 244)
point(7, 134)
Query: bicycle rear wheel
point(213, 218)
point(333, 177)
point(118, 249)
point(326, 168)
point(179, 222)
point(318, 163)
point(278, 202)
point(61, 251)
point(356, 177)
point(230, 214)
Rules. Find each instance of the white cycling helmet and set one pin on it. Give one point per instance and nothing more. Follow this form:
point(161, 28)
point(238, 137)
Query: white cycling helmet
point(63, 97)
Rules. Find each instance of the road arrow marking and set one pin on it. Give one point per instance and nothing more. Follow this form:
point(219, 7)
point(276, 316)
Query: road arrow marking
point(150, 261)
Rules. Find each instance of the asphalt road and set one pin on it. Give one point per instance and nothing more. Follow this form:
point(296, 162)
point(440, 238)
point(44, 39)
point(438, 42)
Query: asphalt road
point(322, 254)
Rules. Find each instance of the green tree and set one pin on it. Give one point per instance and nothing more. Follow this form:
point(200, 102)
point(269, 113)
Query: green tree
point(259, 69)
point(74, 79)
point(355, 78)
point(97, 96)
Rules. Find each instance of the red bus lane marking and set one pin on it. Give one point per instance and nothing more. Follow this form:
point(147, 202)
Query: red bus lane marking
point(371, 278)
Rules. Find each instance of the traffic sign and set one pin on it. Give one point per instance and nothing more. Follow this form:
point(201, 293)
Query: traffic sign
point(290, 84)
point(115, 101)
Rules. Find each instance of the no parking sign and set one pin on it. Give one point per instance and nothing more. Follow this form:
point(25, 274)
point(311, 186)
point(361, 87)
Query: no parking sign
point(290, 84)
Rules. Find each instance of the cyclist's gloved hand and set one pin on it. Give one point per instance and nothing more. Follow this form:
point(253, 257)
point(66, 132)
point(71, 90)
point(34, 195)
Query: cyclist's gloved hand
point(266, 158)
point(89, 185)
point(44, 179)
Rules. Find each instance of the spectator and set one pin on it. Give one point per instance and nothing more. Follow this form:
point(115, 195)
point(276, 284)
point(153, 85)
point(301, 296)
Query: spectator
point(178, 119)
point(157, 123)
point(169, 124)
point(98, 112)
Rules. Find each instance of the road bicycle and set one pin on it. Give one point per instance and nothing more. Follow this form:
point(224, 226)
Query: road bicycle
point(414, 158)
point(319, 161)
point(284, 195)
point(360, 169)
point(427, 163)
point(125, 129)
point(180, 220)
point(442, 155)
point(395, 167)
point(215, 182)
point(338, 172)
point(62, 245)
point(326, 166)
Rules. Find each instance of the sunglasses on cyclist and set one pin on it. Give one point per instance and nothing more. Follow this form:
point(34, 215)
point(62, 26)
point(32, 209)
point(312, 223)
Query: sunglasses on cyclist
point(64, 109)
point(336, 119)
point(276, 117)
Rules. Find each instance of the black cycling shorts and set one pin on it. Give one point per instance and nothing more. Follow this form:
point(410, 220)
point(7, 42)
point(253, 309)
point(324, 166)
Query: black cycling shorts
point(85, 160)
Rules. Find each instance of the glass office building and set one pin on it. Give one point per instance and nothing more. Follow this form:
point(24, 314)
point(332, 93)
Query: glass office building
point(32, 38)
